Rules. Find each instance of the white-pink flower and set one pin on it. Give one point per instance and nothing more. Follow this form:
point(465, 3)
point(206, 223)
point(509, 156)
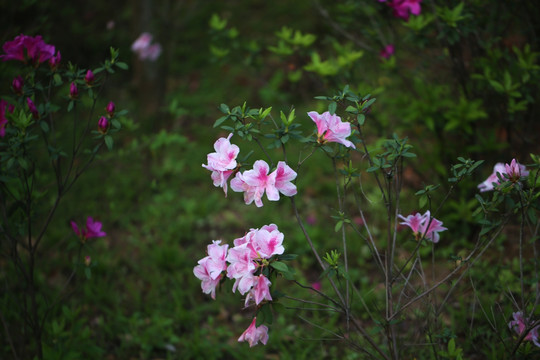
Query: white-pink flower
point(217, 254)
point(268, 242)
point(222, 162)
point(144, 48)
point(261, 289)
point(241, 268)
point(330, 128)
point(202, 272)
point(254, 334)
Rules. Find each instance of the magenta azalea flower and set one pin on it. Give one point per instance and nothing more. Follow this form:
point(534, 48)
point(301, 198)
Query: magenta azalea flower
point(387, 51)
point(32, 107)
point(92, 229)
point(403, 8)
point(330, 128)
point(254, 334)
point(419, 225)
point(24, 48)
point(17, 85)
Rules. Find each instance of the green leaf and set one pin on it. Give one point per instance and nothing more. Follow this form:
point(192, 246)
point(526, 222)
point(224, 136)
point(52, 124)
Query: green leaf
point(122, 65)
point(332, 107)
point(109, 142)
point(44, 126)
point(279, 266)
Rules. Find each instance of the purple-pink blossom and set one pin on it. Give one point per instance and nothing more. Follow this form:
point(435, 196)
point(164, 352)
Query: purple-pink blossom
point(387, 51)
point(91, 230)
point(24, 48)
point(330, 128)
point(222, 162)
point(254, 334)
point(32, 107)
point(512, 172)
point(403, 8)
point(110, 108)
point(144, 48)
point(17, 85)
point(519, 324)
point(424, 226)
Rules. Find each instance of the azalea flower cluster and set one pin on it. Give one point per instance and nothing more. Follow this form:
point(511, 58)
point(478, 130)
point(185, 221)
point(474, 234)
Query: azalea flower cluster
point(403, 8)
point(27, 48)
point(91, 230)
point(424, 226)
point(519, 325)
point(144, 48)
point(248, 264)
point(253, 183)
point(511, 172)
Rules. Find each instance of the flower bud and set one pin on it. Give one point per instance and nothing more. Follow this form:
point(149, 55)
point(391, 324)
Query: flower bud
point(17, 85)
point(110, 109)
point(32, 107)
point(73, 91)
point(89, 78)
point(103, 125)
point(87, 260)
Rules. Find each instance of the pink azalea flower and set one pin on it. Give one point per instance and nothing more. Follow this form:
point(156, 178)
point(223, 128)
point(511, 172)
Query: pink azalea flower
point(92, 229)
point(513, 172)
point(254, 183)
point(487, 185)
point(316, 285)
point(222, 162)
point(413, 221)
point(208, 284)
point(217, 254)
point(241, 268)
point(261, 289)
point(387, 51)
point(419, 225)
point(519, 325)
point(254, 334)
point(267, 243)
point(283, 177)
point(144, 48)
point(330, 128)
point(4, 107)
point(435, 227)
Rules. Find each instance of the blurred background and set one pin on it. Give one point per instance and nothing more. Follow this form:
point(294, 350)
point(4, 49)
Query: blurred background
point(462, 80)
